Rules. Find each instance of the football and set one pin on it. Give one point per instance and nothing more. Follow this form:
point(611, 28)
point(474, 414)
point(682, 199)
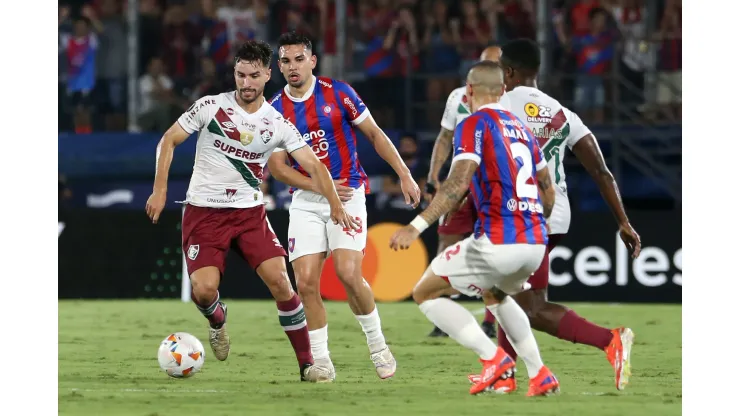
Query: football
point(181, 355)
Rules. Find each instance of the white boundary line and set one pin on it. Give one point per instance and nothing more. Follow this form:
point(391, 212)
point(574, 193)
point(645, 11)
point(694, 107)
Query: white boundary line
point(150, 390)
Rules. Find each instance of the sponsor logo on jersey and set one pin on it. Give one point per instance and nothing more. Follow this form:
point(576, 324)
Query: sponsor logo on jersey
point(324, 83)
point(537, 113)
point(238, 153)
point(478, 141)
point(265, 121)
point(230, 111)
point(513, 205)
point(228, 126)
point(351, 106)
point(193, 110)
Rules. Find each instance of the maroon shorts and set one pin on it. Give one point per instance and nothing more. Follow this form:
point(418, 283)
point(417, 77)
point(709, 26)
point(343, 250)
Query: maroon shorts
point(208, 233)
point(462, 221)
point(541, 277)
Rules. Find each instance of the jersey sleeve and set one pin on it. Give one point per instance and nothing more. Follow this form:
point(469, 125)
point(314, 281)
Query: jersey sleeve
point(199, 114)
point(578, 128)
point(538, 158)
point(290, 138)
point(355, 111)
point(448, 117)
point(468, 139)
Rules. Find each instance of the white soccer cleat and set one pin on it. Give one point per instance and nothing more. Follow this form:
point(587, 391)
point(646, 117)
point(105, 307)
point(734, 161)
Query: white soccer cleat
point(316, 374)
point(219, 340)
point(385, 363)
point(326, 364)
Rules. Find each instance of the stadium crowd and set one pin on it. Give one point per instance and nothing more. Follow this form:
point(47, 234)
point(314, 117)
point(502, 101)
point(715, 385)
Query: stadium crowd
point(185, 49)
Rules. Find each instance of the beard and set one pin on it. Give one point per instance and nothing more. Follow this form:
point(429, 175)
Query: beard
point(244, 94)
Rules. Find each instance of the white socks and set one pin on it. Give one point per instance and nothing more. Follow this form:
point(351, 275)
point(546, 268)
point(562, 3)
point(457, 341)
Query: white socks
point(319, 342)
point(516, 324)
point(371, 327)
point(460, 325)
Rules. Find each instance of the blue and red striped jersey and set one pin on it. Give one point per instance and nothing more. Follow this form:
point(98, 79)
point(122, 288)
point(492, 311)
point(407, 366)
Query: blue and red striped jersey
point(504, 188)
point(326, 117)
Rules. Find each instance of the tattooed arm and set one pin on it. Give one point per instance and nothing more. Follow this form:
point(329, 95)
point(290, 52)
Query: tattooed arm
point(452, 191)
point(440, 153)
point(547, 190)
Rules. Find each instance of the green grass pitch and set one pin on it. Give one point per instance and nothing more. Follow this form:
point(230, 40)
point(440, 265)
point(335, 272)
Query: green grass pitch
point(108, 365)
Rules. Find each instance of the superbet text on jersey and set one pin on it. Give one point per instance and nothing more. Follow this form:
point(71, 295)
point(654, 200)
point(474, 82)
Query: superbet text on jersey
point(555, 127)
point(233, 147)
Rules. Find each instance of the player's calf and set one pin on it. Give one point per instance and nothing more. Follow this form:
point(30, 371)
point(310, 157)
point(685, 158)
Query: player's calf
point(204, 293)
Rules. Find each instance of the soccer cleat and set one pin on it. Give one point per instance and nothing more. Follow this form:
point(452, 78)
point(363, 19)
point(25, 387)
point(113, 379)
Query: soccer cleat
point(501, 386)
point(544, 384)
point(219, 339)
point(501, 365)
point(385, 363)
point(618, 353)
point(489, 328)
point(326, 364)
point(315, 374)
point(436, 332)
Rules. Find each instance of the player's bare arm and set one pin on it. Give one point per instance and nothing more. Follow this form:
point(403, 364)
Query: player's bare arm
point(282, 171)
point(452, 191)
point(388, 152)
point(174, 136)
point(589, 154)
point(320, 174)
point(547, 191)
point(440, 154)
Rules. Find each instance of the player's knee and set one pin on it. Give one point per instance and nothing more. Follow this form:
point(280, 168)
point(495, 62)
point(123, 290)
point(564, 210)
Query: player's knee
point(350, 274)
point(307, 287)
point(279, 285)
point(420, 296)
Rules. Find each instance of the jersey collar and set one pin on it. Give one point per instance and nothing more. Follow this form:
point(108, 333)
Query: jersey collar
point(306, 96)
point(492, 106)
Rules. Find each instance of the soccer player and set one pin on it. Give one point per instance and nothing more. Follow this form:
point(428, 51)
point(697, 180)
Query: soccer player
point(326, 112)
point(457, 225)
point(501, 156)
point(556, 127)
point(238, 131)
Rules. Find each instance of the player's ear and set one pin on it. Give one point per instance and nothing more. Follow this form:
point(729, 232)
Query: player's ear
point(269, 73)
point(314, 59)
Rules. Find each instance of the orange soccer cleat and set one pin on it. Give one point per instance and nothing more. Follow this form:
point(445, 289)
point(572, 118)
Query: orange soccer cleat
point(494, 369)
point(500, 386)
point(544, 384)
point(618, 353)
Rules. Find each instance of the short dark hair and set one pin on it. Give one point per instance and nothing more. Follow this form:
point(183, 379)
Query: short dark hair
point(293, 38)
point(254, 50)
point(523, 54)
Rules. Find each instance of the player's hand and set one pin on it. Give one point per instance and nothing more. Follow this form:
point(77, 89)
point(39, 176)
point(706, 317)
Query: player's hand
point(404, 237)
point(411, 191)
point(155, 205)
point(631, 239)
point(341, 217)
point(345, 192)
point(430, 188)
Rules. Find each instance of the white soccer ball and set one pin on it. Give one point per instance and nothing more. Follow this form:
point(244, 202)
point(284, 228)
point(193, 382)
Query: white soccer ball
point(181, 355)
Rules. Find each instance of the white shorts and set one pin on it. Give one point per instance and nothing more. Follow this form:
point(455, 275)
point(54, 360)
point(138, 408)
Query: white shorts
point(474, 265)
point(311, 229)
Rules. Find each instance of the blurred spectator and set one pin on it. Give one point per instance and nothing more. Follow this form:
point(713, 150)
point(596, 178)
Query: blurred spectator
point(245, 20)
point(150, 28)
point(81, 48)
point(65, 32)
point(442, 60)
point(409, 150)
point(472, 35)
point(180, 40)
point(328, 28)
point(113, 65)
point(631, 20)
point(669, 60)
point(579, 17)
point(594, 55)
point(209, 82)
point(215, 41)
point(157, 99)
point(520, 19)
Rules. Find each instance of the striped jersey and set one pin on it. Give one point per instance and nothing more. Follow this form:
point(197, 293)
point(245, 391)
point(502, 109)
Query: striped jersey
point(233, 147)
point(504, 188)
point(555, 127)
point(326, 117)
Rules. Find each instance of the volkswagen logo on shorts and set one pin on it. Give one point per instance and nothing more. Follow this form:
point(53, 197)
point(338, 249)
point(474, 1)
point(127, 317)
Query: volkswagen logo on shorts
point(511, 204)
